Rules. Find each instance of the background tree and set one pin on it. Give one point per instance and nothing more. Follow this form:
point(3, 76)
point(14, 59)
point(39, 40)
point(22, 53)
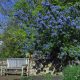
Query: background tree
point(18, 39)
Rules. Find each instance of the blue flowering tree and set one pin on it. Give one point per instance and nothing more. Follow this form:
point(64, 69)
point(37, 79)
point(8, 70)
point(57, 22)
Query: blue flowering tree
point(58, 29)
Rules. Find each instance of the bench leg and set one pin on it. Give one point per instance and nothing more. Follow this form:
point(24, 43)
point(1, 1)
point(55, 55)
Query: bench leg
point(22, 72)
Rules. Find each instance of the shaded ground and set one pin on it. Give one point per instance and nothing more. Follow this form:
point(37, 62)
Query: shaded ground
point(58, 78)
point(10, 77)
point(14, 77)
point(41, 78)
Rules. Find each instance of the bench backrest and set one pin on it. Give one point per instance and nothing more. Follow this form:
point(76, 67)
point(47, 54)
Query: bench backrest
point(14, 63)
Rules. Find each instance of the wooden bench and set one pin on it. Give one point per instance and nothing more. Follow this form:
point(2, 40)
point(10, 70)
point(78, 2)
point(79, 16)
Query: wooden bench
point(15, 66)
point(18, 71)
point(25, 70)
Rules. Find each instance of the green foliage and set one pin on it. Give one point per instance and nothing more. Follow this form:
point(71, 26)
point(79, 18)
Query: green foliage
point(69, 42)
point(18, 41)
point(13, 39)
point(71, 51)
point(22, 5)
point(30, 39)
point(64, 3)
point(77, 5)
point(1, 35)
point(26, 7)
point(36, 10)
point(72, 73)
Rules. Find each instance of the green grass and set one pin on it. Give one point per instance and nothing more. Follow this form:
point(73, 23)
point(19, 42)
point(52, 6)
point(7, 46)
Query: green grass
point(71, 73)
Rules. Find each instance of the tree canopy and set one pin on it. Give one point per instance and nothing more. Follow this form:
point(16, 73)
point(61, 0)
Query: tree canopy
point(46, 26)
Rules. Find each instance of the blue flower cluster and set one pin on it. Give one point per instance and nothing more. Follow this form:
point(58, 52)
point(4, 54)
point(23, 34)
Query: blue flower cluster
point(21, 15)
point(51, 21)
point(7, 6)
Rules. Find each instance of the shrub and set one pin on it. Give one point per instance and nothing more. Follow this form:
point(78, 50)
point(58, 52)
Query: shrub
point(72, 73)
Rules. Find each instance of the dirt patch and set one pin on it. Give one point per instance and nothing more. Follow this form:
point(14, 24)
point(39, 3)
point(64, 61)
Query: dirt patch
point(41, 78)
point(16, 77)
point(10, 77)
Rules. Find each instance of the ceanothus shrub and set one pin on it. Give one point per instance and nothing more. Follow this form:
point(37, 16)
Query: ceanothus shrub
point(57, 28)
